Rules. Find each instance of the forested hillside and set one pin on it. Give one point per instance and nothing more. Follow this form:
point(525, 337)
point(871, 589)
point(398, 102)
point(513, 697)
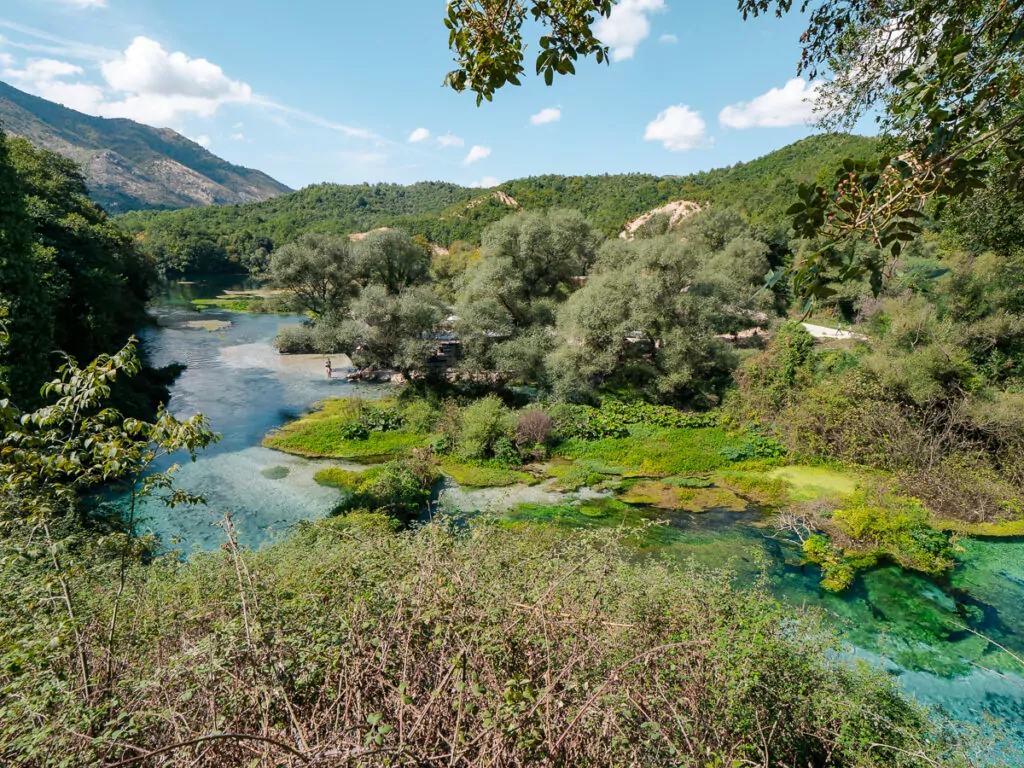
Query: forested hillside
point(225, 238)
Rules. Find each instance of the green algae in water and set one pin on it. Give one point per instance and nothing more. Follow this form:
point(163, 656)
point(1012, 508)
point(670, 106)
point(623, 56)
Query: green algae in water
point(812, 483)
point(275, 473)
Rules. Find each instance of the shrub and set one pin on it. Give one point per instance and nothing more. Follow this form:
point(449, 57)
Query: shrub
point(347, 630)
point(481, 425)
point(296, 340)
point(836, 572)
point(533, 427)
point(506, 453)
point(380, 419)
point(400, 488)
point(897, 526)
point(754, 447)
point(354, 430)
point(421, 416)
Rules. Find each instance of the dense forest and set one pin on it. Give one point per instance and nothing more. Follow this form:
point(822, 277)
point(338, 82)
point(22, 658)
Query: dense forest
point(232, 238)
point(72, 282)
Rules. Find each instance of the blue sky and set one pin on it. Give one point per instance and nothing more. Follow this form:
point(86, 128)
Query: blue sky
point(333, 90)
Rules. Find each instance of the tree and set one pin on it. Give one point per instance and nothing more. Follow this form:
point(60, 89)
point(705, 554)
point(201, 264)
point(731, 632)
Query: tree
point(652, 314)
point(530, 263)
point(390, 257)
point(25, 306)
point(97, 280)
point(945, 77)
point(392, 330)
point(486, 38)
point(320, 271)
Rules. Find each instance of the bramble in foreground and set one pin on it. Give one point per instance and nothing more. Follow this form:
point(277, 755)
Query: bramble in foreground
point(349, 644)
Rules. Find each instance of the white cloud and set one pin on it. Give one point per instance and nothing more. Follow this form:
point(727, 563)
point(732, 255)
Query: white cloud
point(793, 104)
point(238, 137)
point(549, 115)
point(669, 38)
point(143, 83)
point(420, 134)
point(476, 154)
point(54, 45)
point(42, 77)
point(203, 140)
point(161, 87)
point(679, 128)
point(86, 3)
point(485, 183)
point(448, 140)
point(627, 27)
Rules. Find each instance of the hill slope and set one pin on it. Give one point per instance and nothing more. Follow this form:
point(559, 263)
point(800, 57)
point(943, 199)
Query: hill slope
point(444, 213)
point(131, 166)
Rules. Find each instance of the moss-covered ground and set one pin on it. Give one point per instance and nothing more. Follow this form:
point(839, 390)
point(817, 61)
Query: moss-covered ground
point(320, 434)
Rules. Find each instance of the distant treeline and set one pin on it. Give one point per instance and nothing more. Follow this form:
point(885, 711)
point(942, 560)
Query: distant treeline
point(232, 238)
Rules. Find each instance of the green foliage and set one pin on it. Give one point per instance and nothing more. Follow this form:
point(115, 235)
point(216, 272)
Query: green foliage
point(400, 489)
point(754, 447)
point(485, 474)
point(390, 258)
point(216, 238)
point(897, 527)
point(486, 39)
point(319, 271)
point(71, 280)
point(345, 479)
point(506, 453)
point(837, 573)
point(391, 331)
point(482, 426)
point(946, 94)
point(652, 315)
point(402, 607)
point(318, 434)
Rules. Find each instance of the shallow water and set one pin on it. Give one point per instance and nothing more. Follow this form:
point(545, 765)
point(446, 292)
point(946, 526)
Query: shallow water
point(913, 626)
point(235, 377)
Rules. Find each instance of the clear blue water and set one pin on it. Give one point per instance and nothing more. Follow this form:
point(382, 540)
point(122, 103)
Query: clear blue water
point(913, 626)
point(236, 378)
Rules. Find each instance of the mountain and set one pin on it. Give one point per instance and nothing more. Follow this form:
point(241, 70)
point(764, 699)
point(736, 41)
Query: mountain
point(219, 237)
point(130, 166)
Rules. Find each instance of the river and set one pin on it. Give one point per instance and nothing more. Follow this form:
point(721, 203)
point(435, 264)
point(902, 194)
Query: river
point(920, 629)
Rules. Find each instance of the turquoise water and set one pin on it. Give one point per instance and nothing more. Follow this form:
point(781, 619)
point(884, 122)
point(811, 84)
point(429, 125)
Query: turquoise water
point(236, 378)
point(918, 628)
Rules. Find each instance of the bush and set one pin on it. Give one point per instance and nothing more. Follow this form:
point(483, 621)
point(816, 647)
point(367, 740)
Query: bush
point(481, 425)
point(754, 447)
point(380, 419)
point(400, 488)
point(507, 454)
point(533, 427)
point(296, 340)
point(614, 418)
point(421, 416)
point(354, 430)
point(347, 630)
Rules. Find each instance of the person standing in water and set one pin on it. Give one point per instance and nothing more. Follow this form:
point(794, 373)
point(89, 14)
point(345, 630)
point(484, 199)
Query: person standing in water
point(329, 369)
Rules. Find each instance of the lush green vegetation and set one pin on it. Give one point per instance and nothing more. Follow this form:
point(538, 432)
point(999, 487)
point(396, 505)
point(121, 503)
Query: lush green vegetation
point(69, 279)
point(237, 238)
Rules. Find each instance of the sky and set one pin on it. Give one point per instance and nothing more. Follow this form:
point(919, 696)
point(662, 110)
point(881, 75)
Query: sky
point(351, 90)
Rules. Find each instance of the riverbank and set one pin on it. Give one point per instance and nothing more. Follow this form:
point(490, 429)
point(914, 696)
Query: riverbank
point(843, 519)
